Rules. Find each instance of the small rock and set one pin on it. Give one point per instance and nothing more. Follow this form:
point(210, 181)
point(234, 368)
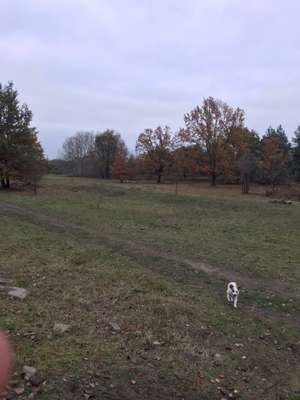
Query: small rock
point(4, 281)
point(60, 328)
point(156, 343)
point(19, 293)
point(133, 382)
point(115, 327)
point(218, 358)
point(19, 390)
point(28, 372)
point(36, 380)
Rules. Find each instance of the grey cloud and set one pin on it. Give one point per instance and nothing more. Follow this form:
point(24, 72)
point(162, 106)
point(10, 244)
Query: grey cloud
point(134, 64)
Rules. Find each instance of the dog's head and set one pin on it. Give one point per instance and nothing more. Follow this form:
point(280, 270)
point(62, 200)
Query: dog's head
point(234, 289)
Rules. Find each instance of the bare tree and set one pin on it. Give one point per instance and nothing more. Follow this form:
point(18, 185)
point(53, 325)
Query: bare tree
point(77, 149)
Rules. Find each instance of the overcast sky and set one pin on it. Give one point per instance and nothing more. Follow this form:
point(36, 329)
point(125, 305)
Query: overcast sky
point(135, 64)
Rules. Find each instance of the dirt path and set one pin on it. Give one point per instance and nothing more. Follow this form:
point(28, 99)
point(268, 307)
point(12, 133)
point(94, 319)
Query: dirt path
point(134, 249)
point(276, 287)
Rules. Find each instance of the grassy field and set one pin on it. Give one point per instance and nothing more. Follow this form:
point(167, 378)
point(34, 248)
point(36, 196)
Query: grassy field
point(139, 274)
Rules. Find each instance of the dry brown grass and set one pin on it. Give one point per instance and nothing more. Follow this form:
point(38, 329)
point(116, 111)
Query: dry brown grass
point(201, 189)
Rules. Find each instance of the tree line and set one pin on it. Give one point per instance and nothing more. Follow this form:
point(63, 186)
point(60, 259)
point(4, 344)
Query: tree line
point(214, 143)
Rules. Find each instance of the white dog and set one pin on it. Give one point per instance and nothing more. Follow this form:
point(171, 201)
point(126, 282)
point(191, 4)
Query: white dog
point(232, 293)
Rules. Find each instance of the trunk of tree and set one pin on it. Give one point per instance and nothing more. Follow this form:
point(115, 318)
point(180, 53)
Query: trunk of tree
point(213, 173)
point(5, 183)
point(160, 171)
point(81, 168)
point(213, 179)
point(107, 172)
point(274, 187)
point(245, 184)
point(176, 187)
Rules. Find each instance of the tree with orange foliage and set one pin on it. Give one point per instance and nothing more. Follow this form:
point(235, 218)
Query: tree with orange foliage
point(119, 170)
point(187, 159)
point(275, 158)
point(209, 126)
point(155, 146)
point(241, 145)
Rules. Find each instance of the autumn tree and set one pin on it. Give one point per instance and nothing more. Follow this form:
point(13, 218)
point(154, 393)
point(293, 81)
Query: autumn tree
point(21, 155)
point(275, 157)
point(155, 147)
point(187, 158)
point(77, 149)
point(120, 169)
point(238, 158)
point(108, 145)
point(296, 155)
point(280, 134)
point(210, 126)
point(132, 166)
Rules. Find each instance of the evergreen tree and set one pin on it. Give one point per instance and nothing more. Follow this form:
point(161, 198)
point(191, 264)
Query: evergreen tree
point(21, 155)
point(296, 155)
point(280, 134)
